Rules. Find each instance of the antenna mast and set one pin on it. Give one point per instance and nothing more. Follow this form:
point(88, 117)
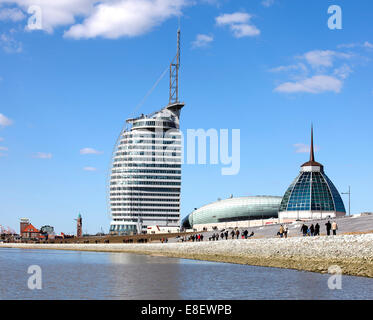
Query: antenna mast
point(174, 74)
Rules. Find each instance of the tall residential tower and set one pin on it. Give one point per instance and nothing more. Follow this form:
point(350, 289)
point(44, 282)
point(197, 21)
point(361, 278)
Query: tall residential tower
point(145, 176)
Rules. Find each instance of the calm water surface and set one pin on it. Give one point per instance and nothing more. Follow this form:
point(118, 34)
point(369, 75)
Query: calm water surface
point(99, 275)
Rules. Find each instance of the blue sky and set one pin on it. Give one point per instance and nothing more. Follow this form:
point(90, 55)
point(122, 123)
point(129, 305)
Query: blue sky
point(268, 68)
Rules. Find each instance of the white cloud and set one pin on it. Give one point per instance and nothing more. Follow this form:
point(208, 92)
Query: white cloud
point(239, 24)
point(4, 121)
point(42, 155)
point(3, 148)
point(56, 13)
point(244, 30)
point(105, 18)
point(315, 84)
point(303, 148)
point(343, 72)
point(90, 151)
point(9, 44)
point(268, 3)
point(127, 18)
point(368, 45)
point(293, 67)
point(232, 18)
point(323, 58)
point(12, 14)
point(202, 40)
point(1, 139)
point(90, 169)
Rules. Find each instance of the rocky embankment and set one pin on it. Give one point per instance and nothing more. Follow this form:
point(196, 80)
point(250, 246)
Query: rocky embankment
point(352, 253)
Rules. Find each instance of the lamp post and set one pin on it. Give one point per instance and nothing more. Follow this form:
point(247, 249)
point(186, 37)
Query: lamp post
point(349, 200)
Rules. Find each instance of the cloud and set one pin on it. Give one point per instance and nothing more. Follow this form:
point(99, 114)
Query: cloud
point(90, 169)
point(90, 151)
point(268, 3)
point(3, 148)
point(1, 139)
point(323, 58)
point(316, 71)
point(343, 72)
point(293, 67)
point(128, 18)
point(42, 155)
point(315, 84)
point(12, 14)
point(9, 44)
point(239, 24)
point(366, 44)
point(303, 148)
point(202, 40)
point(56, 13)
point(4, 121)
point(106, 18)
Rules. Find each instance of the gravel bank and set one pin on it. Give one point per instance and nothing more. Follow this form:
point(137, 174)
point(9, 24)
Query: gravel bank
point(352, 253)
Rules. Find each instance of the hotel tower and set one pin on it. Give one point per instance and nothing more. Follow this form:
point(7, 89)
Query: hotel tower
point(145, 178)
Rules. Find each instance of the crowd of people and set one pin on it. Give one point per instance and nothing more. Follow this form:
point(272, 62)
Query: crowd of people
point(234, 234)
point(312, 230)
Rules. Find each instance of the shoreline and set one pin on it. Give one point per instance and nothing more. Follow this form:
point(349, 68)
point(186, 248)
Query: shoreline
point(352, 253)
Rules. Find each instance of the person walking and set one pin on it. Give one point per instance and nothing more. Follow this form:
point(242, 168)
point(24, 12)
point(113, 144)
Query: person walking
point(312, 230)
point(222, 235)
point(286, 230)
point(304, 230)
point(281, 231)
point(226, 233)
point(334, 228)
point(237, 233)
point(201, 238)
point(232, 234)
point(246, 233)
point(328, 227)
point(317, 230)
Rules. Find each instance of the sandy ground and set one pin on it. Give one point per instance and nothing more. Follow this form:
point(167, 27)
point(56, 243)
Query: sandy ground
point(352, 253)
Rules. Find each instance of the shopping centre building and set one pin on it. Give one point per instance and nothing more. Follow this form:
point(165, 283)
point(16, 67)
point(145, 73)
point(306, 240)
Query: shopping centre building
point(312, 195)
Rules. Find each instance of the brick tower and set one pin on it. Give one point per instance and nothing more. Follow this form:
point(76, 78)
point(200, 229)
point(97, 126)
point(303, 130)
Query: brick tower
point(79, 226)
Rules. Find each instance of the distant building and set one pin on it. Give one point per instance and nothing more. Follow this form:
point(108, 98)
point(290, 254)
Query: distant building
point(24, 222)
point(79, 226)
point(232, 212)
point(30, 233)
point(47, 230)
point(312, 195)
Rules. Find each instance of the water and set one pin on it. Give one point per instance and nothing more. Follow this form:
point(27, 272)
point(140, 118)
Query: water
point(99, 275)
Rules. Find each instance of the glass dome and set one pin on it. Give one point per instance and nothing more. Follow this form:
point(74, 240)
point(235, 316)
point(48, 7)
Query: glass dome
point(312, 190)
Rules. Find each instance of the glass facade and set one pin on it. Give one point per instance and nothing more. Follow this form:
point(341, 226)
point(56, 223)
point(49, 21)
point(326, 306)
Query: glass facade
point(312, 191)
point(235, 209)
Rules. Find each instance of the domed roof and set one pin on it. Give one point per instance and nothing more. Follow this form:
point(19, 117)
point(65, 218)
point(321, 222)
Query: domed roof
point(312, 190)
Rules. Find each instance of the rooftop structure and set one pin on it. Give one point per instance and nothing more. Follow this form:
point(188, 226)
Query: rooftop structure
point(312, 194)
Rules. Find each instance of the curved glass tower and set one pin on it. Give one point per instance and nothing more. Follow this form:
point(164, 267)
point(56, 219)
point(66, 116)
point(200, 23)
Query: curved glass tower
point(312, 195)
point(145, 176)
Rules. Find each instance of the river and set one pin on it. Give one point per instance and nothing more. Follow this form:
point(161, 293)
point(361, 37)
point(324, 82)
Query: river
point(101, 275)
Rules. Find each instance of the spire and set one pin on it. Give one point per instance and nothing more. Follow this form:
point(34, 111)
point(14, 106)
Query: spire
point(174, 73)
point(312, 154)
point(312, 162)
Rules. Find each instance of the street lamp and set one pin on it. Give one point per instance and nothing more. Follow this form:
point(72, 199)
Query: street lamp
point(349, 200)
